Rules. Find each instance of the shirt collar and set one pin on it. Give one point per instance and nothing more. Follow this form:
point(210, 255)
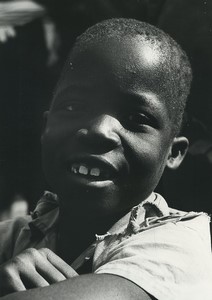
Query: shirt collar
point(153, 207)
point(46, 214)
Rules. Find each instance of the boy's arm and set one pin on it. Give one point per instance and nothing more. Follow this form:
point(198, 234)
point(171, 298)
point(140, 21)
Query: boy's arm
point(86, 287)
point(39, 274)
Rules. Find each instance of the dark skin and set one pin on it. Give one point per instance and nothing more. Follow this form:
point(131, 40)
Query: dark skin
point(107, 140)
point(126, 121)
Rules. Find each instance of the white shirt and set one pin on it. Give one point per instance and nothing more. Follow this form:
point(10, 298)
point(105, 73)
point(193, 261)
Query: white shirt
point(166, 252)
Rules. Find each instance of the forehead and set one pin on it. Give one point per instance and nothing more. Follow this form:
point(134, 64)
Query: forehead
point(127, 56)
point(130, 66)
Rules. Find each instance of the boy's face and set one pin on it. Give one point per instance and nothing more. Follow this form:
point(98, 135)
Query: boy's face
point(108, 134)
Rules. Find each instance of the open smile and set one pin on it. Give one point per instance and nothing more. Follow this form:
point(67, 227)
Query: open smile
point(92, 169)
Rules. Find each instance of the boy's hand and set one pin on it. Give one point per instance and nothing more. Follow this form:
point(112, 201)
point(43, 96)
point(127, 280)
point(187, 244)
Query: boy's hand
point(33, 268)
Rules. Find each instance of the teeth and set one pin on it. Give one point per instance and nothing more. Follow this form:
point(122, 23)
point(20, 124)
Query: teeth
point(95, 172)
point(83, 170)
point(74, 169)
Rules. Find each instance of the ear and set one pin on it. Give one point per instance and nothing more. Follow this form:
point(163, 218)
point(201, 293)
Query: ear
point(177, 152)
point(45, 118)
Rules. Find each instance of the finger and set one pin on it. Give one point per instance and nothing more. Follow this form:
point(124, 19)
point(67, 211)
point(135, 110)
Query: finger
point(58, 263)
point(35, 269)
point(49, 272)
point(32, 279)
point(12, 283)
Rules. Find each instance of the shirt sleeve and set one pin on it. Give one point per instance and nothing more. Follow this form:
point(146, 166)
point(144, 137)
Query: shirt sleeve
point(9, 232)
point(172, 261)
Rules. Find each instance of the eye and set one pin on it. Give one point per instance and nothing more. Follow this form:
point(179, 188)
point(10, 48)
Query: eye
point(76, 107)
point(139, 119)
point(70, 107)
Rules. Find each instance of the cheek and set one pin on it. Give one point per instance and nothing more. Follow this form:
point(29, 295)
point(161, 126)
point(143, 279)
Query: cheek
point(146, 157)
point(58, 130)
point(52, 145)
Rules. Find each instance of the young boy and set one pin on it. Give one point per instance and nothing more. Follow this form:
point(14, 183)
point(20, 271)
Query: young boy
point(112, 129)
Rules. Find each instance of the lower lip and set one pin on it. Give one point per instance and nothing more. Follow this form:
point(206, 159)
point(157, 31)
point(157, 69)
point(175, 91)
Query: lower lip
point(82, 180)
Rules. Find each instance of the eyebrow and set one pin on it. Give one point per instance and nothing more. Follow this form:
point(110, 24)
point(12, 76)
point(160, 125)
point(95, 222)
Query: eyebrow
point(63, 94)
point(71, 88)
point(147, 99)
point(132, 98)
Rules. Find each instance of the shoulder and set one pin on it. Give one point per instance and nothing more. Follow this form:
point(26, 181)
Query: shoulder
point(11, 228)
point(9, 232)
point(165, 255)
point(29, 231)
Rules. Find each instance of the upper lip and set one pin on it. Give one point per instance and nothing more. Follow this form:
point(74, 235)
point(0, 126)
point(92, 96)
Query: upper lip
point(95, 161)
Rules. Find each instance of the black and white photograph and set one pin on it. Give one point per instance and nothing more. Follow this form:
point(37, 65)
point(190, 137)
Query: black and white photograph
point(105, 149)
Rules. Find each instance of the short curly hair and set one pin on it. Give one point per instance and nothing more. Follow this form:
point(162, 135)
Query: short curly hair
point(176, 66)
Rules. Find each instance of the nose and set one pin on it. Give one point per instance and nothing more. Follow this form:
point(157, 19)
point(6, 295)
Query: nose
point(101, 134)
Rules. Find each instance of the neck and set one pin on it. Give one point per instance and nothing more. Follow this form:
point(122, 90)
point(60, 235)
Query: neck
point(77, 231)
point(91, 224)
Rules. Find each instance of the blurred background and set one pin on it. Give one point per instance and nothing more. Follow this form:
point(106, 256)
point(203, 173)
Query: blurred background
point(35, 37)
